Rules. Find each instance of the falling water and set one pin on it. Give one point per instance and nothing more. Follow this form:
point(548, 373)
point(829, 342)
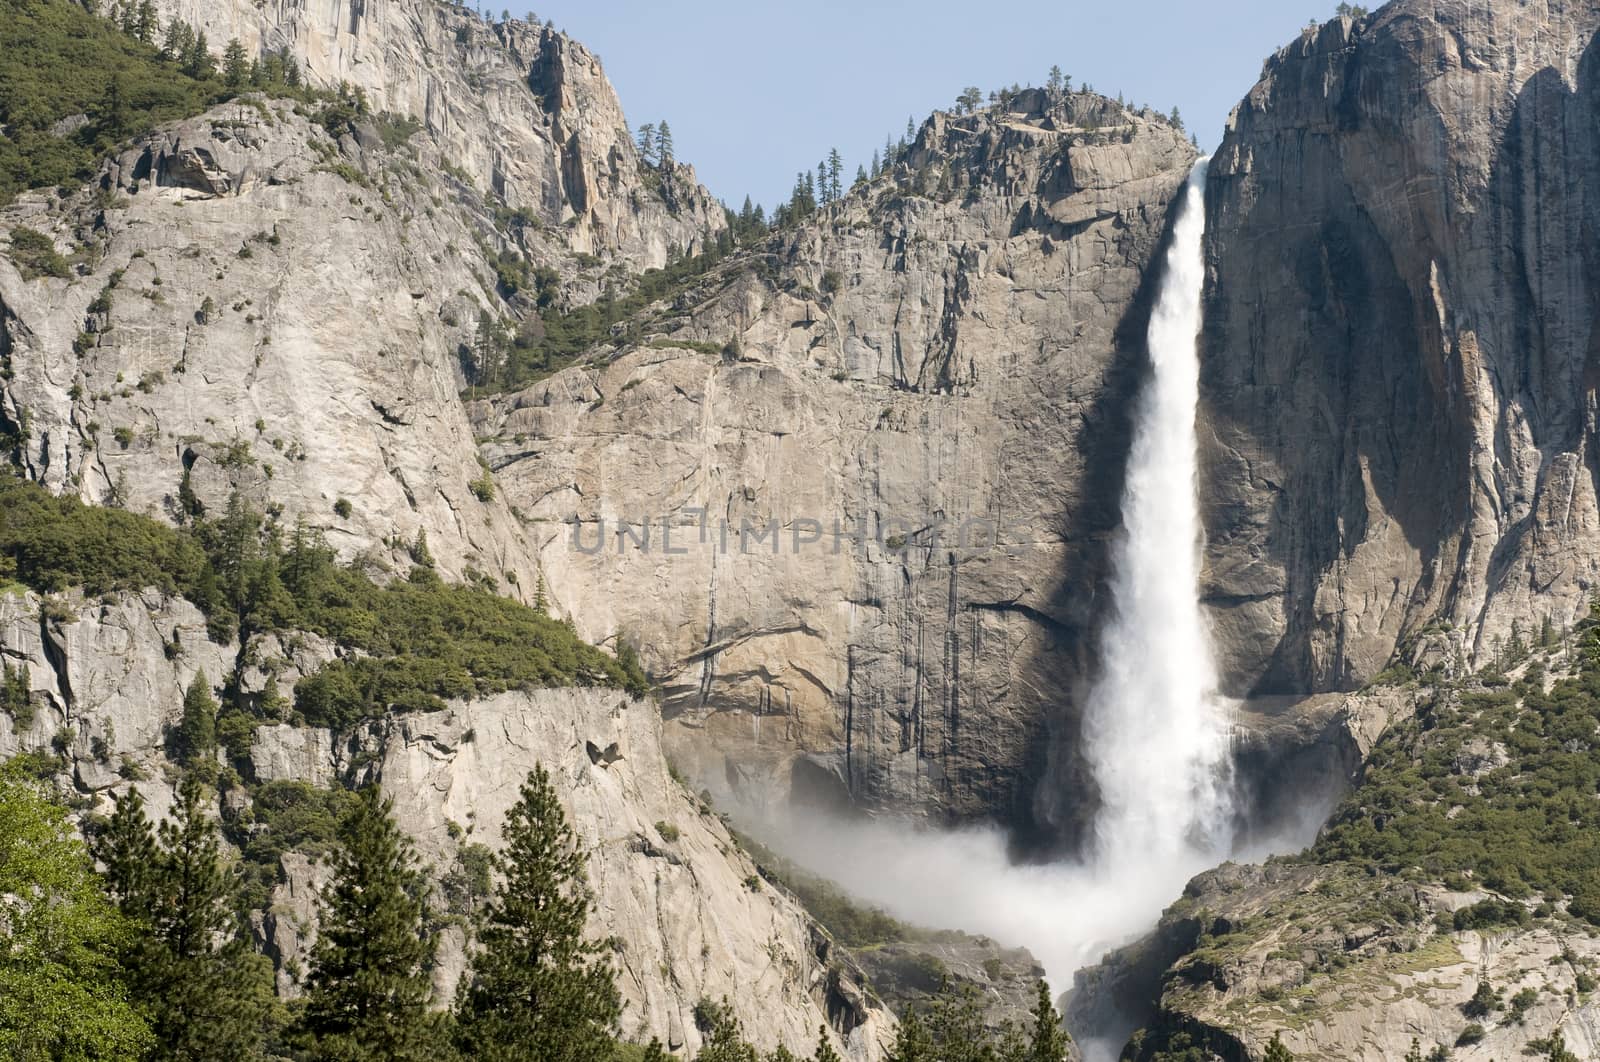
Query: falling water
point(1156, 730)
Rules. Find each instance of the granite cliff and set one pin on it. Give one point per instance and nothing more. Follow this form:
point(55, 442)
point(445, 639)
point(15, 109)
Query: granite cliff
point(944, 354)
point(1398, 391)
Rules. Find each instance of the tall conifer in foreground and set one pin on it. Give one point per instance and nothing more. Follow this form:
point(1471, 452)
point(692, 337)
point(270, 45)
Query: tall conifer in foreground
point(369, 987)
point(539, 991)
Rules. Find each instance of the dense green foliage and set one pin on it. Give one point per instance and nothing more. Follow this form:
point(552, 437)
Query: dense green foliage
point(208, 995)
point(507, 362)
point(369, 988)
point(539, 990)
point(1527, 825)
point(58, 61)
point(63, 991)
point(423, 640)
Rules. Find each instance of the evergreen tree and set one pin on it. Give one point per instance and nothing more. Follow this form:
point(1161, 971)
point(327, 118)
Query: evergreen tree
point(835, 172)
point(1276, 1052)
point(861, 177)
point(235, 67)
point(197, 729)
point(63, 993)
point(1050, 1039)
point(177, 42)
point(824, 1051)
point(724, 1035)
point(368, 988)
point(911, 131)
point(664, 143)
point(539, 991)
point(198, 63)
point(127, 847)
point(647, 142)
point(209, 996)
point(912, 1040)
point(1055, 80)
point(877, 164)
point(146, 24)
point(822, 185)
point(969, 100)
point(1176, 119)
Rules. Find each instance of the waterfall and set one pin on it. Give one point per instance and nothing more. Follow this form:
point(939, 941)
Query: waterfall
point(1156, 732)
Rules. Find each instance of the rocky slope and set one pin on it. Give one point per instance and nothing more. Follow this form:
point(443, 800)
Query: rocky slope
point(684, 904)
point(266, 307)
point(1339, 967)
point(947, 351)
point(1398, 393)
point(525, 111)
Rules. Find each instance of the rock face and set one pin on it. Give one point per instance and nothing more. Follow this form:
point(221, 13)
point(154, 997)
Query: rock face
point(684, 904)
point(946, 352)
point(268, 309)
point(1398, 400)
point(523, 110)
point(1340, 967)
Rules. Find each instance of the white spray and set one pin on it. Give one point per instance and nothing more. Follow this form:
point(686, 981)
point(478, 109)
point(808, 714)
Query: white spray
point(1156, 733)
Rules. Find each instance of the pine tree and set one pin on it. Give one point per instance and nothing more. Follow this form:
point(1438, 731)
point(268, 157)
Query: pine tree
point(724, 1034)
point(911, 131)
point(235, 67)
point(539, 991)
point(1276, 1052)
point(146, 24)
point(127, 847)
point(1050, 1039)
point(912, 1040)
point(198, 63)
point(197, 729)
point(1054, 83)
point(176, 44)
point(664, 143)
point(861, 177)
point(824, 1051)
point(877, 164)
point(647, 142)
point(1176, 119)
point(835, 168)
point(369, 986)
point(209, 996)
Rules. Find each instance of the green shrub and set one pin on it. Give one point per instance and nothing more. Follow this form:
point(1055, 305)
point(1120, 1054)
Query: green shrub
point(16, 697)
point(57, 60)
point(668, 831)
point(424, 640)
point(1521, 829)
point(35, 254)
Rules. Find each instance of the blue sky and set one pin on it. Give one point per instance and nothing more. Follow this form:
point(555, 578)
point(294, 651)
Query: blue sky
point(757, 90)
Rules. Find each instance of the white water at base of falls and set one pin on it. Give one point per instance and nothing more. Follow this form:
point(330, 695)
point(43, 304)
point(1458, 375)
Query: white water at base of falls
point(1156, 734)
